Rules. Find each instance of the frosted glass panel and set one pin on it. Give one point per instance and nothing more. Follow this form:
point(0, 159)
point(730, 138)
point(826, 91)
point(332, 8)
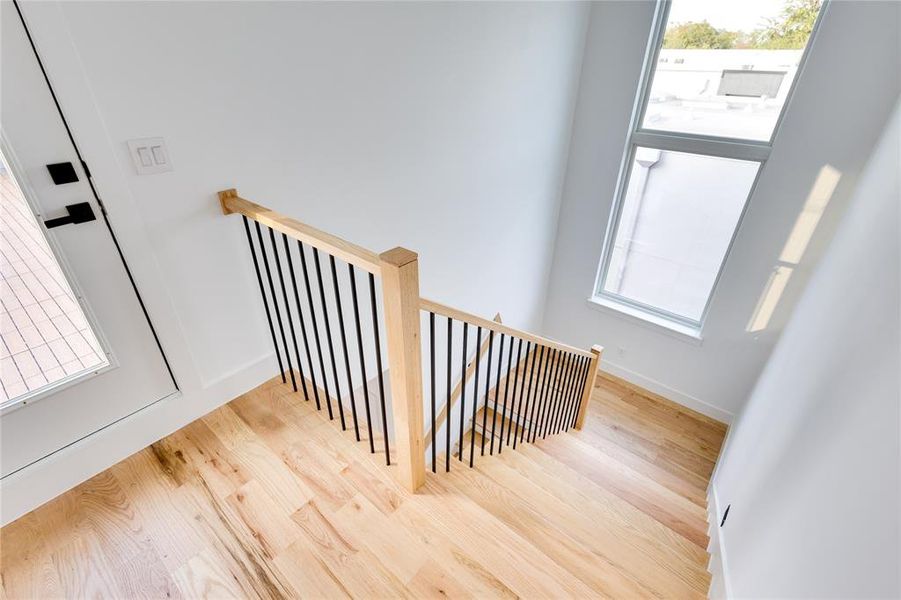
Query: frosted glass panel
point(678, 216)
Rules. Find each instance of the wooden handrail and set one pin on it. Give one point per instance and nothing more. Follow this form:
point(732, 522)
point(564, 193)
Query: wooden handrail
point(340, 248)
point(460, 315)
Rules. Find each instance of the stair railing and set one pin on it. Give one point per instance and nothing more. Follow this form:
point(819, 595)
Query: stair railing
point(560, 377)
point(532, 387)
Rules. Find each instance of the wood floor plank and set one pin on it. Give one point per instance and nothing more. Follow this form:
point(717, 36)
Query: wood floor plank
point(309, 574)
point(433, 582)
point(146, 577)
point(267, 498)
point(671, 509)
point(358, 570)
point(83, 572)
point(599, 531)
point(156, 499)
point(206, 576)
point(692, 436)
point(399, 550)
point(28, 567)
point(505, 553)
point(610, 511)
point(688, 485)
point(548, 536)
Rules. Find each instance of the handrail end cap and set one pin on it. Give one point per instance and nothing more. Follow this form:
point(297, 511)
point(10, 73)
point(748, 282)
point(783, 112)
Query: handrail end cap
point(398, 257)
point(224, 195)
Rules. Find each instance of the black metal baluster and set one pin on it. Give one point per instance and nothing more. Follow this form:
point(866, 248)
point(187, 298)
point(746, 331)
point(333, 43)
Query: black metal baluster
point(432, 382)
point(475, 397)
point(573, 406)
point(281, 280)
point(497, 386)
point(504, 414)
point(549, 398)
point(545, 388)
point(378, 360)
point(566, 384)
point(328, 338)
point(448, 424)
point(303, 326)
point(350, 385)
point(568, 392)
point(577, 380)
point(540, 386)
point(463, 388)
point(580, 387)
point(536, 393)
point(306, 282)
point(511, 427)
point(522, 387)
point(487, 387)
point(555, 392)
point(561, 392)
point(584, 382)
point(353, 291)
point(278, 314)
point(256, 267)
point(526, 402)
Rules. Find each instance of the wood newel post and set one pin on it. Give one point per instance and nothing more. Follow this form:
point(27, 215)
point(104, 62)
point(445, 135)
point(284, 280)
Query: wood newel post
point(400, 292)
point(589, 384)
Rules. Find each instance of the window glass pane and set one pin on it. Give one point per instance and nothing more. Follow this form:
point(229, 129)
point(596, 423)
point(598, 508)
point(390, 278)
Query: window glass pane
point(45, 338)
point(675, 225)
point(725, 68)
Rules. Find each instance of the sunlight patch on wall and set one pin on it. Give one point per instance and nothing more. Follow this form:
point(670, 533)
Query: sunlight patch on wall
point(795, 246)
point(769, 299)
point(806, 223)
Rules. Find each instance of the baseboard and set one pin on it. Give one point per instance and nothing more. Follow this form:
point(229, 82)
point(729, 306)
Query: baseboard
point(668, 393)
point(31, 487)
point(717, 564)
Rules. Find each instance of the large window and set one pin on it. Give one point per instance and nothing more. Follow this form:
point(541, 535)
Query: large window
point(716, 81)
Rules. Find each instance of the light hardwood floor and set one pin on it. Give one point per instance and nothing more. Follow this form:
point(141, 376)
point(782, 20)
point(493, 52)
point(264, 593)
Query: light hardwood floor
point(265, 497)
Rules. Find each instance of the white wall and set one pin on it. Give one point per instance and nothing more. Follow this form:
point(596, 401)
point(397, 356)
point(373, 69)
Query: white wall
point(389, 124)
point(842, 99)
point(440, 127)
point(427, 124)
point(812, 467)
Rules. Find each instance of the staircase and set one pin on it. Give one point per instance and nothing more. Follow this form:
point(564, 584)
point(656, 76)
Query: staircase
point(418, 376)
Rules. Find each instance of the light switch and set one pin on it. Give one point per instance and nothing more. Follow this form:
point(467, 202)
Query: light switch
point(145, 157)
point(149, 155)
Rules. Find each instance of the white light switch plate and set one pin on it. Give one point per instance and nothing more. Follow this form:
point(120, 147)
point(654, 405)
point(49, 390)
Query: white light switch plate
point(150, 155)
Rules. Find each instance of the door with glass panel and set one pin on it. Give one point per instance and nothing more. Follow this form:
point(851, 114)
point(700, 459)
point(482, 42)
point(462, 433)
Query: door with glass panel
point(77, 351)
point(716, 81)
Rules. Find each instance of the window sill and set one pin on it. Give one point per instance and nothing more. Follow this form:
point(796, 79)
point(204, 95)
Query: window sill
point(684, 333)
